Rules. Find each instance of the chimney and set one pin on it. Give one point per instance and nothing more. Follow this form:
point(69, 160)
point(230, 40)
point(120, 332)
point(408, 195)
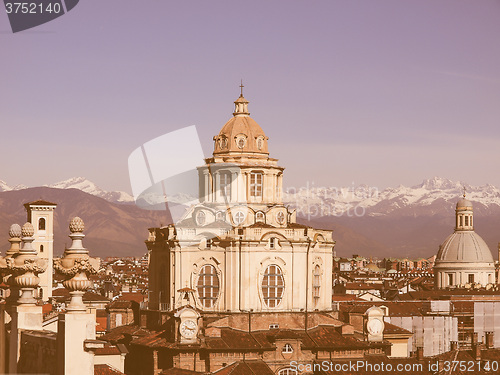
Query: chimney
point(473, 338)
point(454, 345)
point(420, 353)
point(489, 339)
point(476, 352)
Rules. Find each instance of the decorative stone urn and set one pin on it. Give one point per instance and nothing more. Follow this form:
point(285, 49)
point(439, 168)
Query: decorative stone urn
point(24, 265)
point(76, 266)
point(15, 245)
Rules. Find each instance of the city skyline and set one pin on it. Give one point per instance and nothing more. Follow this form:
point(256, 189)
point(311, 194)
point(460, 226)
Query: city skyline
point(382, 93)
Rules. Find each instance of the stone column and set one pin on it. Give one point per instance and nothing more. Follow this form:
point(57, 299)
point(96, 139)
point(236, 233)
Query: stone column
point(76, 328)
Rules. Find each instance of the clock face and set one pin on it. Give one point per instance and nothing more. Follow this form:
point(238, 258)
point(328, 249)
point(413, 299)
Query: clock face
point(375, 327)
point(188, 329)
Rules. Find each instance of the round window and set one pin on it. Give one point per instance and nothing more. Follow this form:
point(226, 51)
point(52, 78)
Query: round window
point(241, 141)
point(201, 218)
point(239, 218)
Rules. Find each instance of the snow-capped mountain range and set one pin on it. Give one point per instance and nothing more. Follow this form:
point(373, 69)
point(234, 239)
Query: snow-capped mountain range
point(361, 200)
point(80, 183)
point(331, 201)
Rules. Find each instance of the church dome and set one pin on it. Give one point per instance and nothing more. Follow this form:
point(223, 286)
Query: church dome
point(241, 134)
point(464, 203)
point(464, 246)
point(464, 258)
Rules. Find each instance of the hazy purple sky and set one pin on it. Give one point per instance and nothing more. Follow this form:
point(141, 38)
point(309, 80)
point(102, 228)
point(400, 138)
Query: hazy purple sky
point(376, 92)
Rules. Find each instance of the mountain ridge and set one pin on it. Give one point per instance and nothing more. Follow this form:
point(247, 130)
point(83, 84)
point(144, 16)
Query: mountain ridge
point(400, 221)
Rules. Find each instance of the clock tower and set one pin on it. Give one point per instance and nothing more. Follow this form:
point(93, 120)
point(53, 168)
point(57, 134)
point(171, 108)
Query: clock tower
point(375, 324)
point(188, 325)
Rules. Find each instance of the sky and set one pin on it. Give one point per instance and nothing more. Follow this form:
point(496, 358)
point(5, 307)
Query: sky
point(349, 92)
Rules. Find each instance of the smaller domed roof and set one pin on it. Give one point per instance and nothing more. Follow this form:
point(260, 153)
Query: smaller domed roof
point(466, 247)
point(241, 134)
point(464, 203)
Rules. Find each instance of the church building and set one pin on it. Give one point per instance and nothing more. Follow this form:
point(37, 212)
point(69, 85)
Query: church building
point(240, 249)
point(237, 285)
point(464, 259)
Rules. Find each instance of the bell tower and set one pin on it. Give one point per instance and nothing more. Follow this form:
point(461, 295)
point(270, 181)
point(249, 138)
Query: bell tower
point(41, 216)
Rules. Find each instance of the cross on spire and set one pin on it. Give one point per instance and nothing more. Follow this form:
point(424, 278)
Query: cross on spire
point(465, 190)
point(241, 87)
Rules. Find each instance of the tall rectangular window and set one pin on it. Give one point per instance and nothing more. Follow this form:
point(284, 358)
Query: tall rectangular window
point(225, 185)
point(471, 278)
point(255, 184)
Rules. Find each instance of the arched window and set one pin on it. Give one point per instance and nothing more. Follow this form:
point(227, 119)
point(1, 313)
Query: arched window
point(287, 371)
point(273, 285)
point(200, 218)
point(208, 286)
point(259, 217)
point(41, 224)
point(41, 248)
point(260, 143)
point(222, 142)
point(316, 283)
point(287, 349)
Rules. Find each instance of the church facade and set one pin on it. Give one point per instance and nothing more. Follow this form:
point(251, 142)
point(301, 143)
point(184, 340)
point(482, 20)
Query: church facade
point(240, 248)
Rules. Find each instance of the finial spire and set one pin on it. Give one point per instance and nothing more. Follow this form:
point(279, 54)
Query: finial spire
point(465, 190)
point(241, 88)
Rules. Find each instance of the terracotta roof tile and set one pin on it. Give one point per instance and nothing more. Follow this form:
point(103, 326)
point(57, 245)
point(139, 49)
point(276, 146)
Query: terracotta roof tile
point(40, 202)
point(121, 333)
point(179, 371)
point(393, 329)
point(256, 367)
point(106, 370)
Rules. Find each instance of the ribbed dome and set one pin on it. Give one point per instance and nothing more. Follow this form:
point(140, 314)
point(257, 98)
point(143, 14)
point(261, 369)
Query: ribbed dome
point(241, 134)
point(464, 246)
